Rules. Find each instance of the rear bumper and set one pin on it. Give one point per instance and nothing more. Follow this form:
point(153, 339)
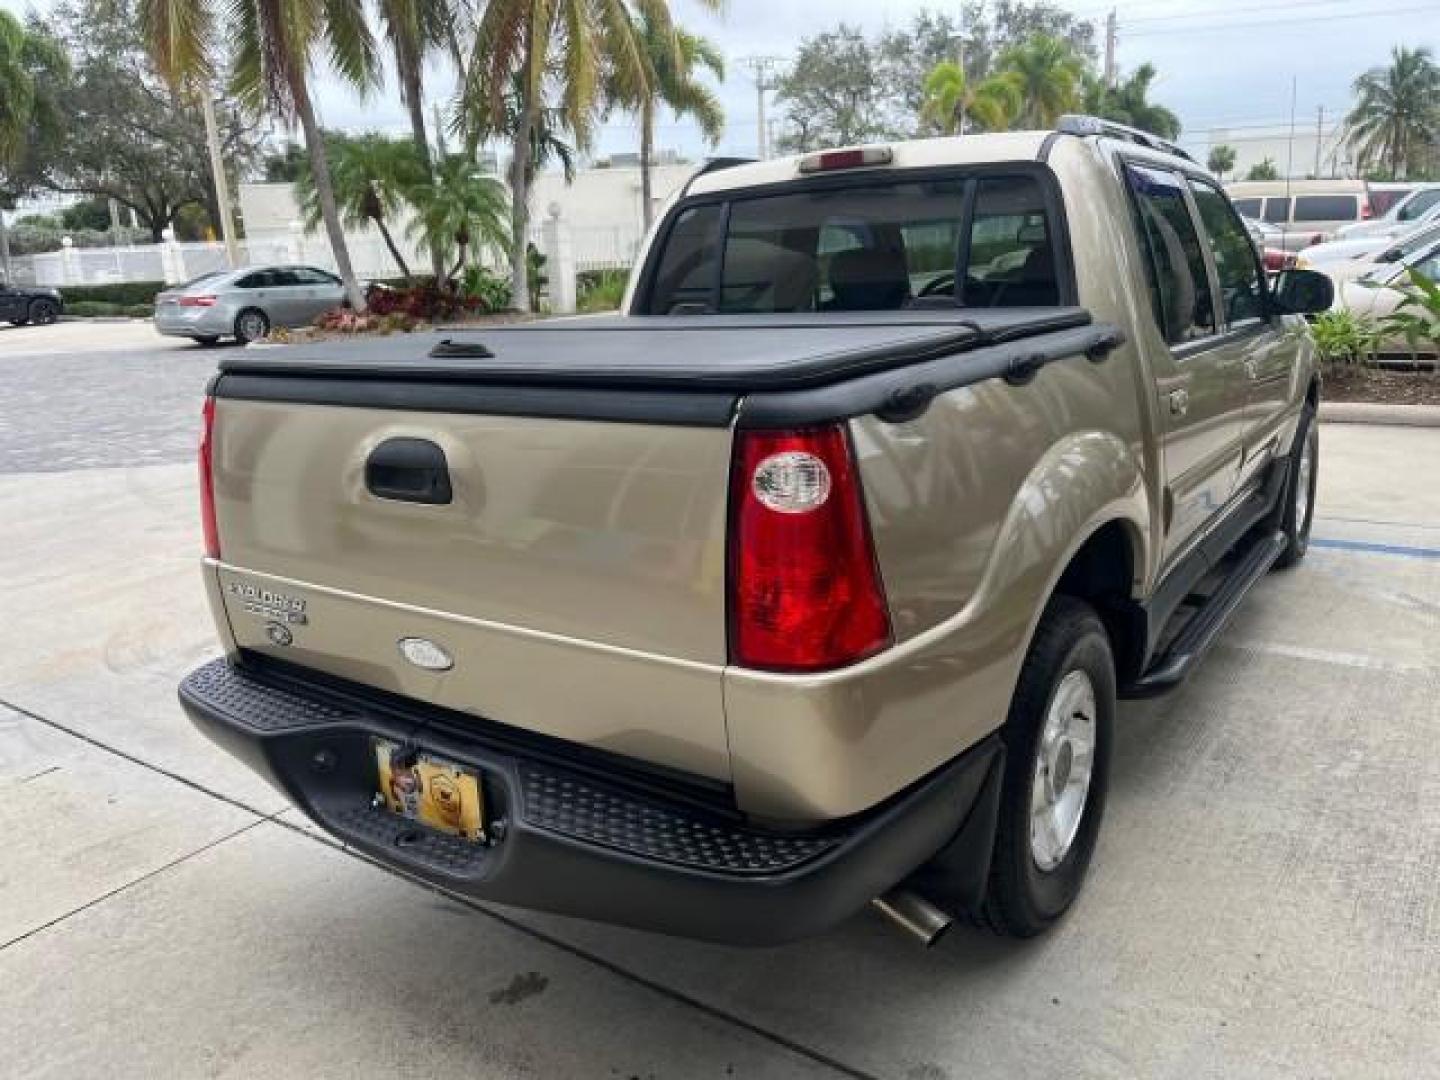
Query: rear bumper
point(570, 838)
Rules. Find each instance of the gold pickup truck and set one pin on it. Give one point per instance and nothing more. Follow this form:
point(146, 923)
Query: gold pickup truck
point(810, 580)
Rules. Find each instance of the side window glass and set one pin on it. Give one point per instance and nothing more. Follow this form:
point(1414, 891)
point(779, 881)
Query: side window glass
point(258, 280)
point(1174, 258)
point(1249, 207)
point(281, 279)
point(1419, 204)
point(685, 279)
point(1241, 291)
point(1277, 211)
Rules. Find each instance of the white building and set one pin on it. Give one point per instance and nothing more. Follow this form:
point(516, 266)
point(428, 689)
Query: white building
point(1312, 149)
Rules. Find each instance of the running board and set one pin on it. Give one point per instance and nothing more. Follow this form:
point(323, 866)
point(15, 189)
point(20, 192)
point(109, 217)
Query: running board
point(1170, 668)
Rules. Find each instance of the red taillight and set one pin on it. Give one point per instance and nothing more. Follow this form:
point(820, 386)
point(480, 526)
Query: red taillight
point(197, 301)
point(805, 593)
point(207, 481)
point(1365, 210)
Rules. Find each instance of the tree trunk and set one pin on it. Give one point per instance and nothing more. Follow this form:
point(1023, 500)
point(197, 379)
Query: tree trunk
point(647, 140)
point(520, 208)
point(320, 170)
point(414, 101)
point(390, 243)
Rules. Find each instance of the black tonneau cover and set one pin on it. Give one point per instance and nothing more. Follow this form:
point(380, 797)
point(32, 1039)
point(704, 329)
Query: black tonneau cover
point(707, 370)
point(737, 353)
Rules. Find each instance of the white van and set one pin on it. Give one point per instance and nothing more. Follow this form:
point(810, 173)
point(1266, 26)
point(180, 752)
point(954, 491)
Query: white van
point(1309, 211)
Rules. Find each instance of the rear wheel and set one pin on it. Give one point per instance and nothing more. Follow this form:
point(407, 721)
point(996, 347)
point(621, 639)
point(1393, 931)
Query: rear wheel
point(1057, 770)
point(252, 324)
point(1298, 508)
point(44, 312)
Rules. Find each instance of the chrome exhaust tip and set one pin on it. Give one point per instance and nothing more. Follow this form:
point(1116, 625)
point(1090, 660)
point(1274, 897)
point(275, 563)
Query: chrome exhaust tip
point(914, 914)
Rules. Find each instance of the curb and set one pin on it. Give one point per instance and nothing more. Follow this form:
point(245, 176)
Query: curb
point(1358, 412)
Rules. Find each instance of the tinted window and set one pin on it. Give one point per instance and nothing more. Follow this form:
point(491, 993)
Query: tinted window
point(1327, 208)
point(1241, 291)
point(1403, 249)
point(1429, 269)
point(1249, 207)
point(1419, 204)
point(1174, 258)
point(685, 279)
point(308, 275)
point(260, 279)
point(285, 278)
point(1277, 211)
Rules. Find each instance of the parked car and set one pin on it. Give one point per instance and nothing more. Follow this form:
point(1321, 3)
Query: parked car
point(1379, 290)
point(1307, 211)
point(1268, 239)
point(1344, 260)
point(1386, 193)
point(811, 580)
point(246, 303)
point(1421, 204)
point(22, 304)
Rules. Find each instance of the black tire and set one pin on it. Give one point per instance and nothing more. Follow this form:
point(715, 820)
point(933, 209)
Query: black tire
point(1294, 517)
point(1023, 899)
point(20, 322)
point(252, 324)
point(207, 341)
point(44, 312)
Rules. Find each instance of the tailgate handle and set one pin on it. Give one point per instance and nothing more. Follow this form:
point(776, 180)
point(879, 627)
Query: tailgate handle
point(409, 470)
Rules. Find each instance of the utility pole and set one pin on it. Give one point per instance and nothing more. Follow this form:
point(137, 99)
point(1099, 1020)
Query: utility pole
point(1110, 50)
point(1319, 138)
point(217, 170)
point(763, 69)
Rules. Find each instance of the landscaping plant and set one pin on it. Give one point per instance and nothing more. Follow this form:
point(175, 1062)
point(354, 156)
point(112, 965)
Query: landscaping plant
point(1417, 318)
point(1343, 337)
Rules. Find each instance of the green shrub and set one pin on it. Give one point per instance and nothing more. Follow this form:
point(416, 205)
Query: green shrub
point(1343, 337)
point(120, 292)
point(1416, 318)
point(93, 309)
point(140, 311)
point(492, 290)
point(602, 290)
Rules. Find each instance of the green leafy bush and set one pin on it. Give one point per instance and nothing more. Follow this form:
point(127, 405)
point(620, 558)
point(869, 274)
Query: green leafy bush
point(602, 290)
point(492, 290)
point(93, 309)
point(140, 311)
point(1417, 317)
point(1343, 337)
point(120, 292)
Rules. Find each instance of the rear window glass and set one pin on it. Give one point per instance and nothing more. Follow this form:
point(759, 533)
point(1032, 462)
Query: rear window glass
point(862, 247)
point(1248, 207)
point(1327, 208)
point(1277, 211)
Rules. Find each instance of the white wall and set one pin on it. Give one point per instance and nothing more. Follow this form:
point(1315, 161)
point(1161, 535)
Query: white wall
point(1252, 145)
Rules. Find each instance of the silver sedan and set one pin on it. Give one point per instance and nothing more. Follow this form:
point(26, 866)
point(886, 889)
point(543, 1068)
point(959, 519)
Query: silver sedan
point(246, 303)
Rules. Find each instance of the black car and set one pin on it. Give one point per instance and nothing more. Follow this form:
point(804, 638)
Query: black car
point(21, 305)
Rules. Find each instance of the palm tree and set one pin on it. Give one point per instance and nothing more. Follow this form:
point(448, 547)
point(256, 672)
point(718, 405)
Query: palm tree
point(371, 175)
point(950, 100)
point(1047, 74)
point(30, 66)
point(1221, 160)
point(1128, 102)
point(671, 56)
point(274, 42)
point(1396, 117)
point(457, 207)
point(567, 47)
point(1266, 170)
point(413, 29)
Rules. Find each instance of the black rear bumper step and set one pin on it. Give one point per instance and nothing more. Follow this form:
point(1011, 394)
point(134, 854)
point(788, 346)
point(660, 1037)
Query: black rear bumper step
point(567, 842)
point(1171, 667)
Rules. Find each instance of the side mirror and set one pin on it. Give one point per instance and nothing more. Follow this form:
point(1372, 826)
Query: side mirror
point(1302, 292)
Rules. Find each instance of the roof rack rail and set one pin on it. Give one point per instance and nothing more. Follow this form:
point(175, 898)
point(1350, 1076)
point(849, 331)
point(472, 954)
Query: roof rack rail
point(1080, 124)
point(714, 164)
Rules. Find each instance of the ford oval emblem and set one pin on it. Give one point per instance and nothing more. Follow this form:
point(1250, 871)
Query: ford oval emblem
point(424, 653)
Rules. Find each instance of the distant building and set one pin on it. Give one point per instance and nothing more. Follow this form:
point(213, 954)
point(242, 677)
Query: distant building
point(1319, 152)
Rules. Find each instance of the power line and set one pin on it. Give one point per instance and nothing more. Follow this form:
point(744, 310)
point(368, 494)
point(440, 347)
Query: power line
point(764, 70)
point(1227, 26)
point(1292, 5)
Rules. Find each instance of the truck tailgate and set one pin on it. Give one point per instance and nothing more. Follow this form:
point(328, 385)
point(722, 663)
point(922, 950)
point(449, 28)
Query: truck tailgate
point(576, 576)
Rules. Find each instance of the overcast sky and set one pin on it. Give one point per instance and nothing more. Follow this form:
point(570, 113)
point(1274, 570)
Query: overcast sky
point(1222, 63)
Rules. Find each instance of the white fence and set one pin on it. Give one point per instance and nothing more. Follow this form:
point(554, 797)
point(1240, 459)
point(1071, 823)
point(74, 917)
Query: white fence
point(175, 262)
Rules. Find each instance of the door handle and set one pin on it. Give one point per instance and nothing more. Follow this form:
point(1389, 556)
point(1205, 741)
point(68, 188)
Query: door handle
point(408, 470)
point(1179, 402)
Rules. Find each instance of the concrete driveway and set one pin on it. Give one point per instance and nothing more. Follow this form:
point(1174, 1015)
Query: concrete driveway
point(1265, 900)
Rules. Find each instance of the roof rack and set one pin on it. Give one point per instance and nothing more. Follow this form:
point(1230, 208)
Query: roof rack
point(1080, 124)
point(714, 164)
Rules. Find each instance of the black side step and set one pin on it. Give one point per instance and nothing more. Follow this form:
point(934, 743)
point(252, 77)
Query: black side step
point(1170, 668)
